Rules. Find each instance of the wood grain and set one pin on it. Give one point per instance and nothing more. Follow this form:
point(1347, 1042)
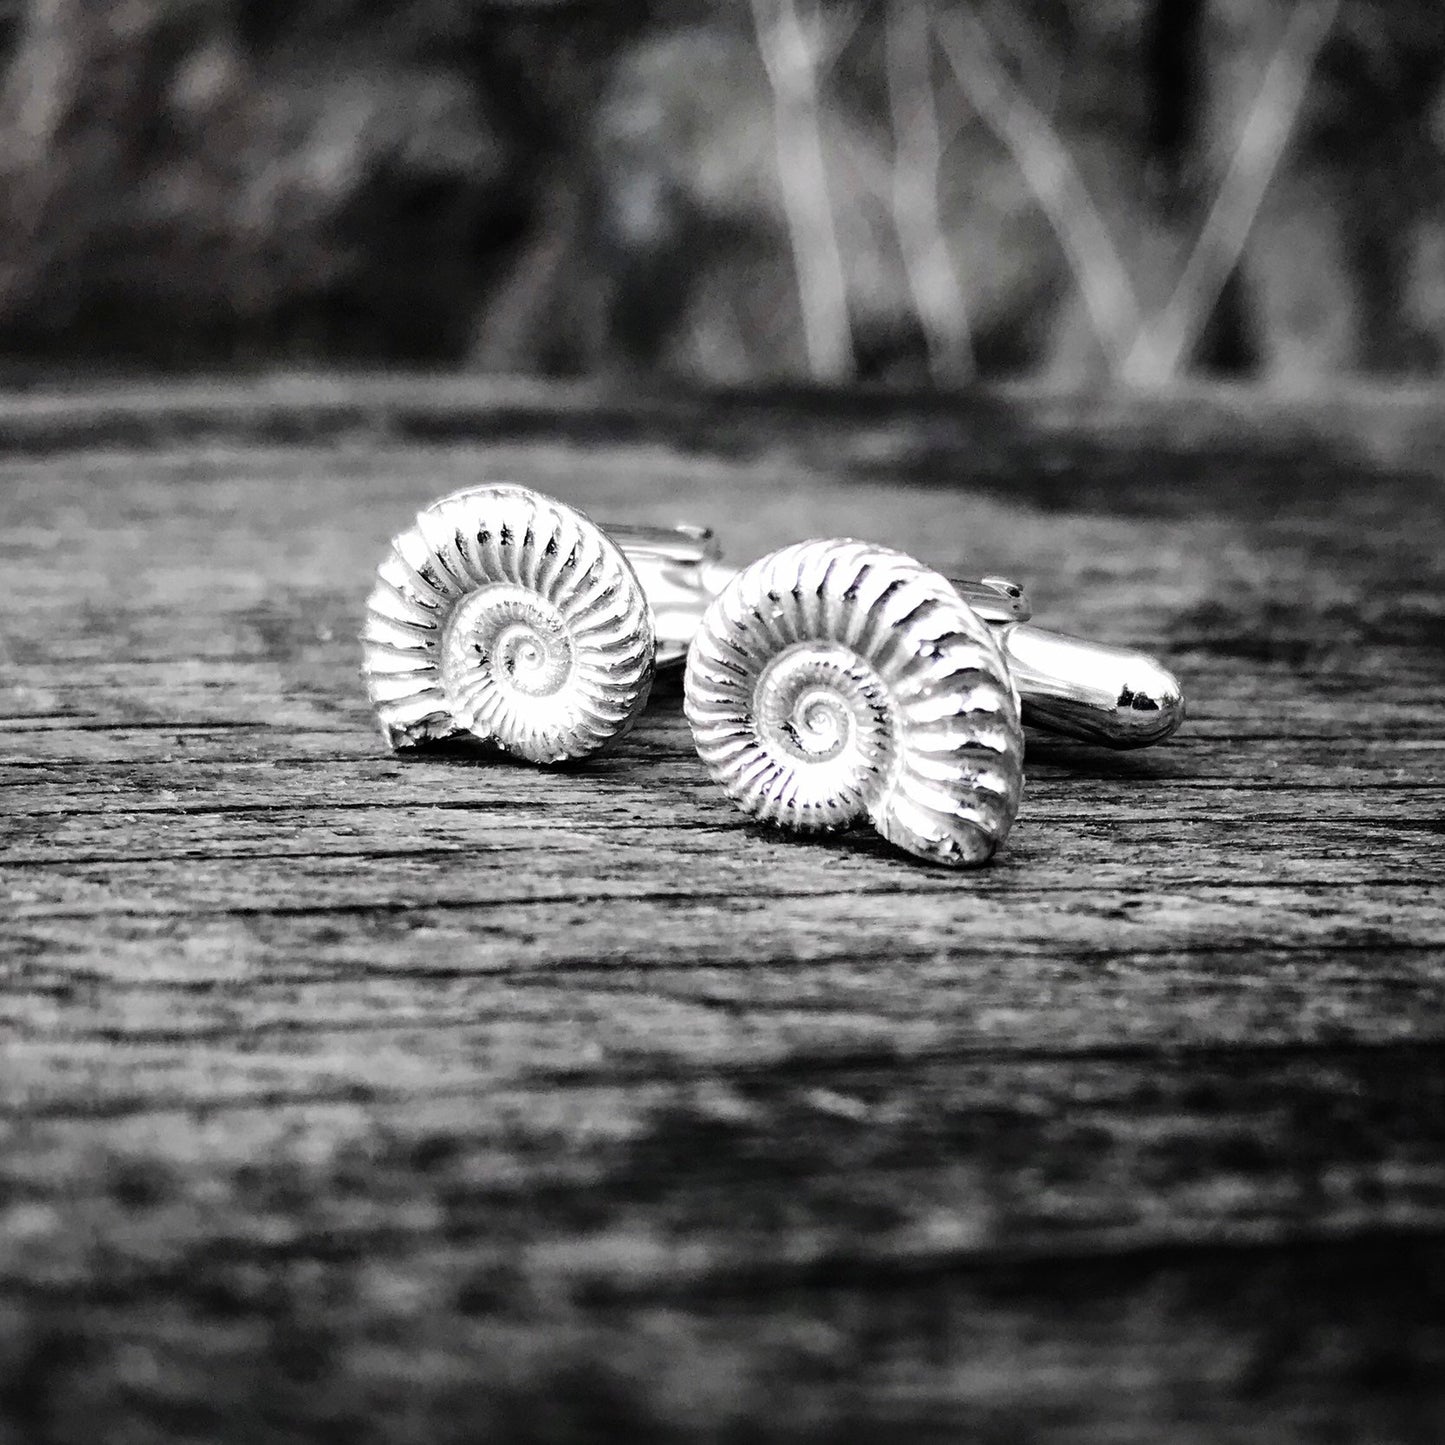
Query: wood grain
point(357, 1098)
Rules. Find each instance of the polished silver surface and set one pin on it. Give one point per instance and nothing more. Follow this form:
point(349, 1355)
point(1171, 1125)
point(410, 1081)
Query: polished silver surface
point(1113, 696)
point(681, 572)
point(1110, 695)
point(507, 617)
point(834, 682)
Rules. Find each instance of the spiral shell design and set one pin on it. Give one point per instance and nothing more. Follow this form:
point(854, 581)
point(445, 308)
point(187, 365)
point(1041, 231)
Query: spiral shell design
point(834, 681)
point(506, 615)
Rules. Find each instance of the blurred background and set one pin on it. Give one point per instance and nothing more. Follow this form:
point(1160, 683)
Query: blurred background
point(1085, 192)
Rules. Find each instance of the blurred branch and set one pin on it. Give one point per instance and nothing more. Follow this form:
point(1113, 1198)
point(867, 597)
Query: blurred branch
point(1048, 169)
point(918, 149)
point(790, 54)
point(1163, 345)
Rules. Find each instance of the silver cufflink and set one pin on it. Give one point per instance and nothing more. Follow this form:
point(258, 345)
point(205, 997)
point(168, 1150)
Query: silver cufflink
point(510, 618)
point(834, 682)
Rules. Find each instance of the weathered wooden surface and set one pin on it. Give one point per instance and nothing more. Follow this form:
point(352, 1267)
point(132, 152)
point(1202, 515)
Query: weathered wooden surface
point(350, 1098)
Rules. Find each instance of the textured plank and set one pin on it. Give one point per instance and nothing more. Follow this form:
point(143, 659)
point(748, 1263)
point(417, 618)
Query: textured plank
point(349, 1097)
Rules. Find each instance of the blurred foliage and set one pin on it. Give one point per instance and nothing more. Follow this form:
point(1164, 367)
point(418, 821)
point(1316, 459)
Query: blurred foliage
point(565, 186)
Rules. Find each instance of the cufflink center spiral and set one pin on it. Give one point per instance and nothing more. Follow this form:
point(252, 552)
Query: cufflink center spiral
point(505, 652)
point(826, 716)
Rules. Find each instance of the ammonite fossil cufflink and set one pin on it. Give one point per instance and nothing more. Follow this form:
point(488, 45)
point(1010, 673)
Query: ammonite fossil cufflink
point(507, 617)
point(834, 682)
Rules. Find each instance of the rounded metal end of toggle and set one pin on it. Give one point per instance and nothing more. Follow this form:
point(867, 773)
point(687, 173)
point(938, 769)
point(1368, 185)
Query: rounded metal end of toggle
point(1110, 695)
point(1149, 707)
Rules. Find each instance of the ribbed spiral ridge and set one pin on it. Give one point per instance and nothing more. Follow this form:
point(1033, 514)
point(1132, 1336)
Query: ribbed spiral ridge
point(511, 617)
point(835, 681)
